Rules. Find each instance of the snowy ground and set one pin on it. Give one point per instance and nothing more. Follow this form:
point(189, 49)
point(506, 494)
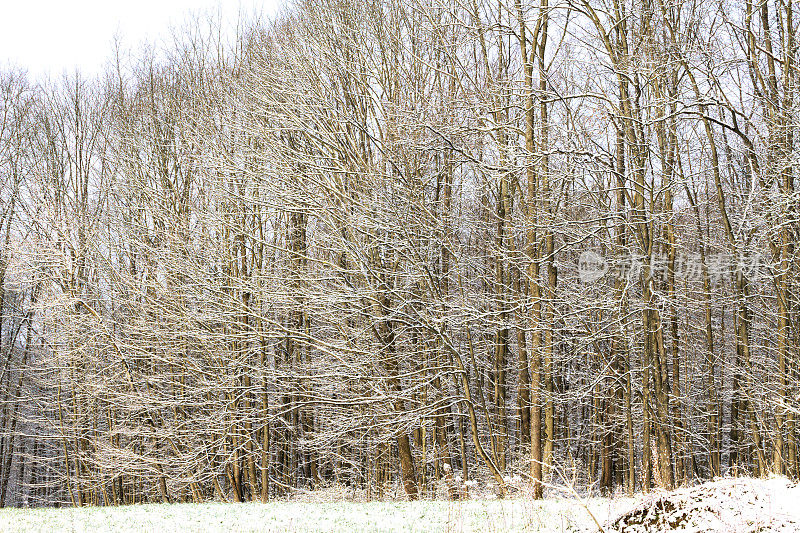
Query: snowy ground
point(554, 515)
point(736, 505)
point(727, 505)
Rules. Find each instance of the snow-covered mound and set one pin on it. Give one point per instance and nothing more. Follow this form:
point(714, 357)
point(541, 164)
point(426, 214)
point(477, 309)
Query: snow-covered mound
point(730, 505)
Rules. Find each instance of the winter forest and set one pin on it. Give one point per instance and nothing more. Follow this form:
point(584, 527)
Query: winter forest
point(398, 245)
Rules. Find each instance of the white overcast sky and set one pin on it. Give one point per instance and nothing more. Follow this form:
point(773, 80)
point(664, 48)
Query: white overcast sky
point(50, 37)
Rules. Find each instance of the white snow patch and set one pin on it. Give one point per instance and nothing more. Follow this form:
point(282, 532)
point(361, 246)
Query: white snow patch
point(735, 505)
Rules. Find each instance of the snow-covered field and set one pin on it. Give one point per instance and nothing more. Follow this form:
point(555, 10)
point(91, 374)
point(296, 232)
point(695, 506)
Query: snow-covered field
point(736, 505)
point(471, 515)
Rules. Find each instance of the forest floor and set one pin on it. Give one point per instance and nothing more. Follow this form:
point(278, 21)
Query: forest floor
point(736, 505)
